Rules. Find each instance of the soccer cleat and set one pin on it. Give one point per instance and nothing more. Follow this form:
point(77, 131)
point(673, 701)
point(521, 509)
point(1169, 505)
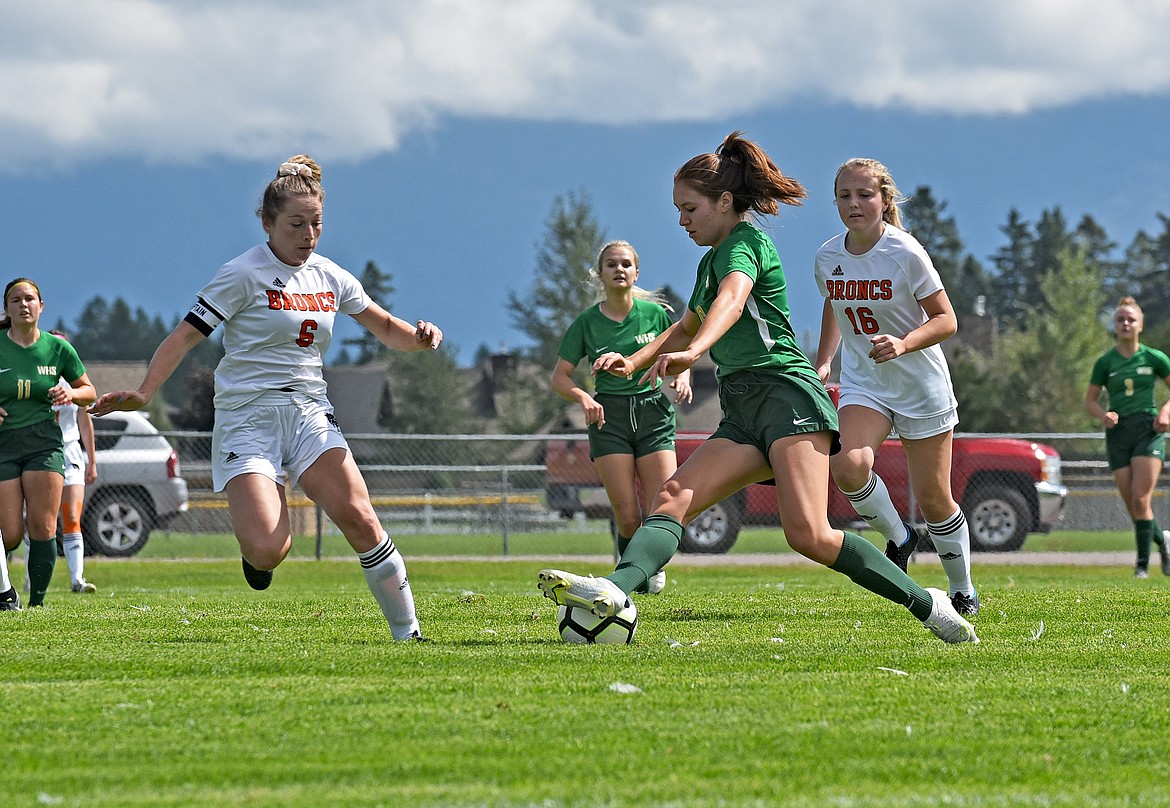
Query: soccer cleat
point(10, 601)
point(901, 555)
point(657, 583)
point(599, 595)
point(416, 636)
point(257, 579)
point(1164, 552)
point(966, 605)
point(84, 587)
point(946, 623)
point(1140, 572)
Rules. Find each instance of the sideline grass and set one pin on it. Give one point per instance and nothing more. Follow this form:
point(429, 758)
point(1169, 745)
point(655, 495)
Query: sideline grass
point(177, 686)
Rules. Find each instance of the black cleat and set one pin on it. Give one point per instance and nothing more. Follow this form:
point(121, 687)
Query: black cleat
point(257, 579)
point(10, 601)
point(901, 555)
point(966, 605)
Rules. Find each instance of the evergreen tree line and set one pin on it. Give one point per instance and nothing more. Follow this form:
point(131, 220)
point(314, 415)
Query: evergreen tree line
point(1049, 291)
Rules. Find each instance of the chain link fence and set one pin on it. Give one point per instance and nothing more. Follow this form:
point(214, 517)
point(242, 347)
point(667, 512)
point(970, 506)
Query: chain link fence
point(500, 485)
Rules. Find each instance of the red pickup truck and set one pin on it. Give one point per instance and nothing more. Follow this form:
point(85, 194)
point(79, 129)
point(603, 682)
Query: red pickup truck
point(1008, 488)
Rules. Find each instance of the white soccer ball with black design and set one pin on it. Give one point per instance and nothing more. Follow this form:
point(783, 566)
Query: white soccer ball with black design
point(578, 625)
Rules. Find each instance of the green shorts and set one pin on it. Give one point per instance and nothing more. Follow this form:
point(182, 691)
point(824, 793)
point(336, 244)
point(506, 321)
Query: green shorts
point(760, 408)
point(1134, 436)
point(639, 425)
point(34, 448)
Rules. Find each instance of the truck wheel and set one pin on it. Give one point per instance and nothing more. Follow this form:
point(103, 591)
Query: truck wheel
point(998, 517)
point(715, 529)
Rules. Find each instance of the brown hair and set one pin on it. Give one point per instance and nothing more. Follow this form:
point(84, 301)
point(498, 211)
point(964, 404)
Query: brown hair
point(299, 175)
point(1125, 302)
point(744, 170)
point(4, 321)
point(891, 196)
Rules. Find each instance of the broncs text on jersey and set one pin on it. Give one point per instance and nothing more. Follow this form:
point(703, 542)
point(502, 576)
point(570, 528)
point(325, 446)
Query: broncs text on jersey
point(295, 301)
point(860, 290)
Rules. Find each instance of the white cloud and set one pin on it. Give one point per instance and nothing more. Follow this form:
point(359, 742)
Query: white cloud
point(181, 79)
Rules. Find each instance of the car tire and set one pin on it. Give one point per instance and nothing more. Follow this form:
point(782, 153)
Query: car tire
point(998, 517)
point(116, 523)
point(716, 529)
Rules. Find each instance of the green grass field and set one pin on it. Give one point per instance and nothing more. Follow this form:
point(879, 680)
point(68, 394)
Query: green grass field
point(175, 685)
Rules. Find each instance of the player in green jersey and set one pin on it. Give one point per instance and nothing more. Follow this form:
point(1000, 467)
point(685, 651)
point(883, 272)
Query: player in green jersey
point(1135, 428)
point(32, 462)
point(631, 423)
point(778, 421)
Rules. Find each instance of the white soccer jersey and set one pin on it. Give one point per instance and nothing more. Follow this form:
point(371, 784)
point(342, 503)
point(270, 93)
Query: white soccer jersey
point(878, 293)
point(67, 418)
point(277, 322)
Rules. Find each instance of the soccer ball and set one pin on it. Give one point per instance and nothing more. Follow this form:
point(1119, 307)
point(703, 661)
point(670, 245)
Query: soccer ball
point(580, 625)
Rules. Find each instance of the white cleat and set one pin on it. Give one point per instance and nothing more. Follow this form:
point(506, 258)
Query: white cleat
point(946, 623)
point(84, 587)
point(656, 583)
point(599, 595)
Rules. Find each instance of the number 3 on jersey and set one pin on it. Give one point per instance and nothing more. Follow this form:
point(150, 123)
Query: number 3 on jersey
point(862, 320)
point(307, 336)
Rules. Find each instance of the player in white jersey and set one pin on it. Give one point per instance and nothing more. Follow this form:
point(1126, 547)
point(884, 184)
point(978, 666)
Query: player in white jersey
point(886, 307)
point(273, 423)
point(80, 470)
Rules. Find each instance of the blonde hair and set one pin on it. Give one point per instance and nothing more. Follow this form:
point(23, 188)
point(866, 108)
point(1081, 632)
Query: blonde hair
point(596, 285)
point(1129, 302)
point(299, 175)
point(891, 196)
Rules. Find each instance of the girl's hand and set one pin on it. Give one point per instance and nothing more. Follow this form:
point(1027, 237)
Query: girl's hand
point(668, 364)
point(121, 400)
point(594, 412)
point(615, 363)
point(682, 390)
point(885, 348)
point(60, 395)
point(428, 332)
point(1110, 420)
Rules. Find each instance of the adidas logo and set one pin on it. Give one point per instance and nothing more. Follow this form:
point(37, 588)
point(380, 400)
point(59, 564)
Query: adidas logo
point(332, 421)
point(278, 283)
point(231, 456)
point(838, 272)
point(948, 556)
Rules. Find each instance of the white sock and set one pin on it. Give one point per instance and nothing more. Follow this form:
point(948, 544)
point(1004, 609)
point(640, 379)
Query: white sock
point(385, 571)
point(873, 504)
point(5, 581)
point(952, 539)
point(74, 556)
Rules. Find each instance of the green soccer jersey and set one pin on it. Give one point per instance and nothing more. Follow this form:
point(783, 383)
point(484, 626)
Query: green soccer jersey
point(26, 374)
point(1130, 382)
point(762, 339)
point(593, 334)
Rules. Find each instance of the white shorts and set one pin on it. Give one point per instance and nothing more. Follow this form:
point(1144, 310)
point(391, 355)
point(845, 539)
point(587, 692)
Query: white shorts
point(278, 435)
point(75, 461)
point(906, 427)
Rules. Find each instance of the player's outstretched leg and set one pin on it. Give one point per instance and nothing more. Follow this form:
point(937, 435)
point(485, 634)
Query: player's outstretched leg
point(599, 595)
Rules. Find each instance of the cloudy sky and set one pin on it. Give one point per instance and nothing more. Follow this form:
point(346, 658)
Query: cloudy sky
point(137, 135)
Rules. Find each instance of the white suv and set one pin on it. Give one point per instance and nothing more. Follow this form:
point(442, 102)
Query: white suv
point(139, 485)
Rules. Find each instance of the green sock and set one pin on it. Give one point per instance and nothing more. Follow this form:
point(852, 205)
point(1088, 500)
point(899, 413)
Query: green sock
point(1156, 533)
point(651, 546)
point(42, 557)
point(869, 568)
point(1142, 528)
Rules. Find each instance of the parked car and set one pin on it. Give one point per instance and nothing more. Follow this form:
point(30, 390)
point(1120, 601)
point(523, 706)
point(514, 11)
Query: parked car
point(1007, 488)
point(139, 485)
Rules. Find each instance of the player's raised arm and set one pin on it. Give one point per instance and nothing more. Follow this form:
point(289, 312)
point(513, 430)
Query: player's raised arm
point(398, 334)
point(167, 357)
